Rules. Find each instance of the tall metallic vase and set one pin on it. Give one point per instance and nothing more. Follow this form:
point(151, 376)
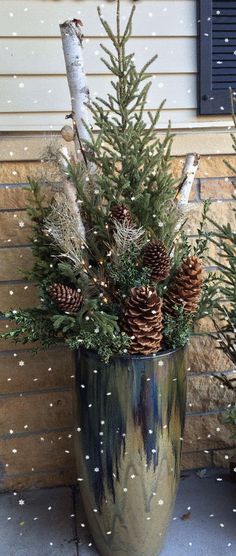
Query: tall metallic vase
point(130, 420)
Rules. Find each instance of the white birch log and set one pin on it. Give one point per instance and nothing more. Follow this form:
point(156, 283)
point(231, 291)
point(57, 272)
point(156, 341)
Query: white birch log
point(72, 42)
point(189, 173)
point(70, 192)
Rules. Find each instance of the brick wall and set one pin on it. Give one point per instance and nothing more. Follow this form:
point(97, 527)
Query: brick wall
point(36, 447)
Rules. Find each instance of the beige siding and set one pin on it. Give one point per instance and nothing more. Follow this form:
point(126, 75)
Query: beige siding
point(34, 93)
point(41, 17)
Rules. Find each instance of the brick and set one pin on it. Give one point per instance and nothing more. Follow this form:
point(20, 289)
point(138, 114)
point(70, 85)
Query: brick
point(203, 356)
point(18, 172)
point(53, 368)
point(14, 261)
point(191, 460)
point(206, 325)
point(206, 393)
point(210, 166)
point(205, 432)
point(56, 478)
point(38, 411)
point(217, 188)
point(221, 212)
point(15, 228)
point(29, 148)
point(16, 197)
point(13, 197)
point(13, 296)
point(214, 165)
point(223, 458)
point(32, 452)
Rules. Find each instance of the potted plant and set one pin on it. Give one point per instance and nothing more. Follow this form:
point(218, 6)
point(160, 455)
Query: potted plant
point(122, 287)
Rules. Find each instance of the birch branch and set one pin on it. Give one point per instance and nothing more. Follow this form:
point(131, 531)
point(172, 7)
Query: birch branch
point(70, 193)
point(189, 172)
point(72, 42)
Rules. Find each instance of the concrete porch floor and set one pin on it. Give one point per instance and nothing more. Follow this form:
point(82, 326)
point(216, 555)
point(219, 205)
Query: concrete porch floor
point(46, 523)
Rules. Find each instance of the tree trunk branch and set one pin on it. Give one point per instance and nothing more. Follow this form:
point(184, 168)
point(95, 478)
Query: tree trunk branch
point(72, 42)
point(189, 172)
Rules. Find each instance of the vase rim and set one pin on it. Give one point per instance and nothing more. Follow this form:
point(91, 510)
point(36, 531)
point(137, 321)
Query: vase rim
point(159, 354)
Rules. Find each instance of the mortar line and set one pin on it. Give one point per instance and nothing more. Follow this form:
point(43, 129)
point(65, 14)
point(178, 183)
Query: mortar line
point(19, 246)
point(41, 471)
point(205, 413)
point(34, 433)
point(13, 185)
point(213, 450)
point(195, 374)
point(14, 210)
point(15, 282)
point(30, 393)
point(76, 520)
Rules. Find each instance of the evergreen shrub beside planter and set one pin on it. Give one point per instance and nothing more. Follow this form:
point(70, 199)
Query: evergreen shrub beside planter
point(121, 285)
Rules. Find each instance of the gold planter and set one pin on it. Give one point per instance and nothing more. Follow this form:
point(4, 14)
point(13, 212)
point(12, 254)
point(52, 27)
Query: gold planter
point(130, 420)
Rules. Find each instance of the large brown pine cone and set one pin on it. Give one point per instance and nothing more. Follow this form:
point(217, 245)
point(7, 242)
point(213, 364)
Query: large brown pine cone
point(142, 320)
point(67, 299)
point(185, 288)
point(121, 213)
point(156, 258)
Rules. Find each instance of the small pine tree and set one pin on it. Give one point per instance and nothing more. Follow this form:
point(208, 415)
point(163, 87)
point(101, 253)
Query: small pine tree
point(224, 238)
point(133, 163)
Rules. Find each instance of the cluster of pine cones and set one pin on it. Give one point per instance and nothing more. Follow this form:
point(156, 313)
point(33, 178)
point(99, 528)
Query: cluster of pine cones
point(142, 315)
point(144, 310)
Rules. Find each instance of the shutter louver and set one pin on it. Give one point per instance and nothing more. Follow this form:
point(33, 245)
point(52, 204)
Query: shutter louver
point(217, 55)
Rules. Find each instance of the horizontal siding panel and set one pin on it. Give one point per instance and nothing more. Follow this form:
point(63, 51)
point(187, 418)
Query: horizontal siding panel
point(54, 410)
point(40, 18)
point(49, 121)
point(39, 56)
point(52, 368)
point(42, 94)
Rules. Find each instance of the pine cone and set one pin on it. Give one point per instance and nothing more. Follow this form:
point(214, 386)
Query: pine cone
point(185, 288)
point(121, 213)
point(142, 320)
point(157, 259)
point(67, 299)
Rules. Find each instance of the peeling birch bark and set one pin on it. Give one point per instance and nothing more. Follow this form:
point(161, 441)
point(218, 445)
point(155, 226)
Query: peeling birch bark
point(72, 42)
point(189, 173)
point(70, 192)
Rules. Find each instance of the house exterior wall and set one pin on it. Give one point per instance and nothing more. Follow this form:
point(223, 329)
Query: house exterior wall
point(36, 421)
point(34, 93)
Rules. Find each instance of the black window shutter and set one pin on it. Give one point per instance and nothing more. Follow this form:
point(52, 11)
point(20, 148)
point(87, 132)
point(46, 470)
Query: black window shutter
point(216, 55)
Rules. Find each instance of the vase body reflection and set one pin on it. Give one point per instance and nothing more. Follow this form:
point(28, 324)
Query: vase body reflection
point(129, 419)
